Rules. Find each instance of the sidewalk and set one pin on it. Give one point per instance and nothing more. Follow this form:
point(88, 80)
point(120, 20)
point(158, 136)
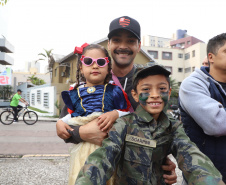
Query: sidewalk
point(30, 170)
point(41, 169)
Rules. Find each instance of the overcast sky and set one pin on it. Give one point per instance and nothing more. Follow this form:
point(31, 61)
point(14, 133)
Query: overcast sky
point(31, 25)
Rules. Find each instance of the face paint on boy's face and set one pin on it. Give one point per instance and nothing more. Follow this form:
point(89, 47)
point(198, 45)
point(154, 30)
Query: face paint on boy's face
point(165, 97)
point(143, 98)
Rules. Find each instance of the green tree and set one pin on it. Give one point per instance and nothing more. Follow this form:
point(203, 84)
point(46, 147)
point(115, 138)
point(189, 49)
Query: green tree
point(3, 3)
point(35, 80)
point(174, 87)
point(174, 93)
point(6, 91)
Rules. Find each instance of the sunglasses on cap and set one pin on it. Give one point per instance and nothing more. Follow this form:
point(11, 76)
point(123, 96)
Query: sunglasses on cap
point(88, 61)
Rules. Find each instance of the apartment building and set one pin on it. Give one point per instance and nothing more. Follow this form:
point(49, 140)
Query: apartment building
point(5, 71)
point(5, 48)
point(180, 56)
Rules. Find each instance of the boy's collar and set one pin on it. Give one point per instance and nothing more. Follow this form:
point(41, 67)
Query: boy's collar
point(147, 117)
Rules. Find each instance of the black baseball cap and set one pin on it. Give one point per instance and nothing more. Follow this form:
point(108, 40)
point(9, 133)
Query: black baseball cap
point(18, 90)
point(151, 70)
point(126, 23)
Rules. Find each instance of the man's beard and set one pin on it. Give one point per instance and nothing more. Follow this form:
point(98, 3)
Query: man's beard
point(122, 51)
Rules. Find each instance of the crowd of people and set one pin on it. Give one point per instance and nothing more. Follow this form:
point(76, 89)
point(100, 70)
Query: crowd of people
point(124, 134)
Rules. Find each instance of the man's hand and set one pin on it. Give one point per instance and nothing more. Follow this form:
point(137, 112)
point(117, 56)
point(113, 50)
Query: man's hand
point(92, 133)
point(62, 128)
point(170, 167)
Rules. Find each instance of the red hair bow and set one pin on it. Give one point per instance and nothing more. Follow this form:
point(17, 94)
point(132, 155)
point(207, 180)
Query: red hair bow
point(79, 50)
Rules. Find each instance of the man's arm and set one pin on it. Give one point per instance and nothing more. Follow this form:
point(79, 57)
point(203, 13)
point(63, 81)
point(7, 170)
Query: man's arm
point(89, 132)
point(23, 101)
point(208, 113)
point(196, 166)
point(101, 164)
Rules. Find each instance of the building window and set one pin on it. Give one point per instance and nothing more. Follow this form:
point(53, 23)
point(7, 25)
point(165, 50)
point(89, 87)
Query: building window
point(46, 100)
point(33, 98)
point(169, 68)
point(28, 96)
point(55, 72)
point(187, 70)
point(153, 53)
point(39, 96)
point(193, 68)
point(187, 56)
point(67, 71)
point(180, 55)
point(167, 55)
point(189, 42)
point(180, 70)
point(193, 53)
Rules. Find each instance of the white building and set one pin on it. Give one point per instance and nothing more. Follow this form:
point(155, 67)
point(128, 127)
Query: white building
point(180, 56)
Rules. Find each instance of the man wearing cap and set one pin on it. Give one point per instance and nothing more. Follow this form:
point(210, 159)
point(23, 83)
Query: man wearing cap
point(123, 44)
point(14, 103)
point(138, 143)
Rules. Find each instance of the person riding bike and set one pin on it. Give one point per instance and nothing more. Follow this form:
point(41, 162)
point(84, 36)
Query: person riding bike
point(14, 103)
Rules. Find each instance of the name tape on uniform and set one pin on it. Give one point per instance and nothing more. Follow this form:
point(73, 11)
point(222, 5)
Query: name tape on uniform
point(141, 141)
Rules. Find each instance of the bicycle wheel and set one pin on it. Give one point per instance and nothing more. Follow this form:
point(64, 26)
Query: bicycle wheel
point(6, 117)
point(30, 117)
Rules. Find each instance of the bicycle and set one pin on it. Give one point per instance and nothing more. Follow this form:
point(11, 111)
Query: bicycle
point(29, 117)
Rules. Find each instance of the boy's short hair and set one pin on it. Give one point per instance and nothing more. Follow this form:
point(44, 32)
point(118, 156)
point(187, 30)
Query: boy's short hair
point(149, 71)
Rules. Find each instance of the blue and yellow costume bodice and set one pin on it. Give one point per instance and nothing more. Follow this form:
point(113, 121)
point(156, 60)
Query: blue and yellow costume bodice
point(101, 98)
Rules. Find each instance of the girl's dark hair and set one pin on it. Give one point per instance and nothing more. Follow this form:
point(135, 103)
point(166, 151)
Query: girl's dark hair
point(79, 76)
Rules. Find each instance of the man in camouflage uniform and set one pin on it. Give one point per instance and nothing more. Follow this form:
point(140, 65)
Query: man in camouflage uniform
point(138, 143)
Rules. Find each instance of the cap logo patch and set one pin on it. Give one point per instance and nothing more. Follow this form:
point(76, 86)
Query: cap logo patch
point(124, 22)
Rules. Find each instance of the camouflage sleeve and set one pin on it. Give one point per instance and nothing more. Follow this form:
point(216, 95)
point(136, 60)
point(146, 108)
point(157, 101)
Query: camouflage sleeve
point(196, 166)
point(100, 165)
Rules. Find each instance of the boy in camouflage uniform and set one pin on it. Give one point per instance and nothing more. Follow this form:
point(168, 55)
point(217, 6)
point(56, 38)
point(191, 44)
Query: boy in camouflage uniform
point(139, 142)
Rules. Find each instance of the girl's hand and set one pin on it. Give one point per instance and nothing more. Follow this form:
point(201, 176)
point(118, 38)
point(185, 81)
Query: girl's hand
point(106, 120)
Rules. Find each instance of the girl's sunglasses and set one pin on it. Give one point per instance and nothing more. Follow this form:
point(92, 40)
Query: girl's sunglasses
point(101, 62)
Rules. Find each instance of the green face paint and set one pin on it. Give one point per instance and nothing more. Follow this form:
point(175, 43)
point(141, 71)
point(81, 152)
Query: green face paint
point(165, 97)
point(143, 98)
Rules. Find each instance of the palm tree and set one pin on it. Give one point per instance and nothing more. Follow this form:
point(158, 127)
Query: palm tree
point(47, 55)
point(35, 80)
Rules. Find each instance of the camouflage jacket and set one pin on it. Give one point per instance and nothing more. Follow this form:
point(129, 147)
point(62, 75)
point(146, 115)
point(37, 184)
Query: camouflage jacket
point(138, 145)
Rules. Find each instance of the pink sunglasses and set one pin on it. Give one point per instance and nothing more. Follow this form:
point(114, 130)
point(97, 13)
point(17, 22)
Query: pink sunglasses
point(88, 61)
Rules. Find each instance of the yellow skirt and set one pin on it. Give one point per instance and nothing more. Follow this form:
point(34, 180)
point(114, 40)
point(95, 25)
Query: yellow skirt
point(80, 152)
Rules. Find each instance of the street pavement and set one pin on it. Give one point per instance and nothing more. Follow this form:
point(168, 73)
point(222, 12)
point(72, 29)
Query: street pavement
point(34, 154)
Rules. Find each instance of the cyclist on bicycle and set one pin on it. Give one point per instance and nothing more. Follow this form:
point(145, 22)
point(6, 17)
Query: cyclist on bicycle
point(14, 103)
